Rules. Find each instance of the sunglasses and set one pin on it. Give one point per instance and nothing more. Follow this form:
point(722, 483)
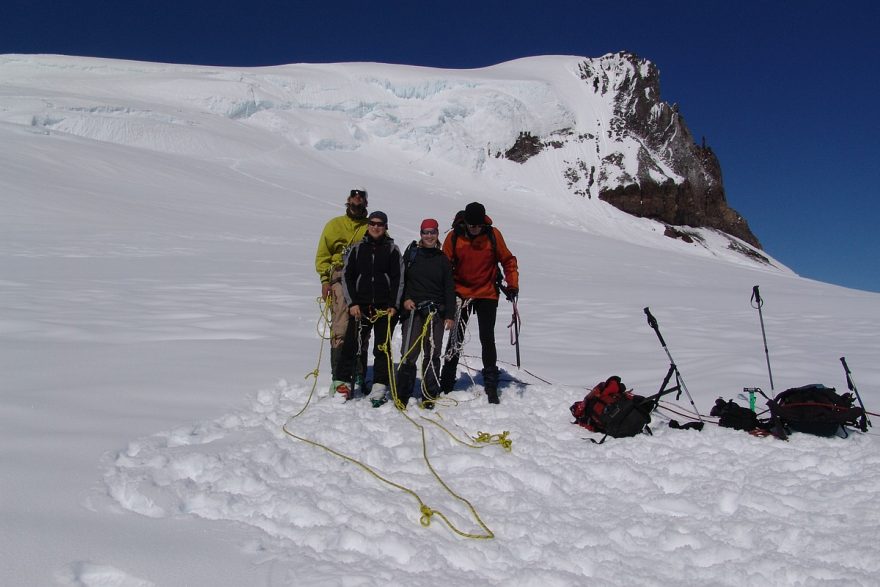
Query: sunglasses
point(357, 194)
point(382, 224)
point(476, 225)
point(429, 231)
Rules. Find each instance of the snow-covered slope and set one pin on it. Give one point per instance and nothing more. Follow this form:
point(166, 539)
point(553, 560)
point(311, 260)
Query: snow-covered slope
point(158, 321)
point(390, 123)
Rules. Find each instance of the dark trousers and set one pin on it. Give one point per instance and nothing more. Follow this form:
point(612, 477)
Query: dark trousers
point(353, 360)
point(486, 311)
point(431, 347)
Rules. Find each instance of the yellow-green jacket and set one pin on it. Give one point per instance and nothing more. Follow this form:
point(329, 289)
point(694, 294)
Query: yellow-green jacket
point(340, 234)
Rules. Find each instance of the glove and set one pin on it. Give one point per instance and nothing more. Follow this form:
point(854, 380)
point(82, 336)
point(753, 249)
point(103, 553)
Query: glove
point(511, 294)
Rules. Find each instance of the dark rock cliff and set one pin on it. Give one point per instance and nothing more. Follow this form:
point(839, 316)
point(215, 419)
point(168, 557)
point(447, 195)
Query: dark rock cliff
point(676, 181)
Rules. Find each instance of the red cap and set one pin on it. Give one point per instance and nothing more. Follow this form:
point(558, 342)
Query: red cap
point(429, 223)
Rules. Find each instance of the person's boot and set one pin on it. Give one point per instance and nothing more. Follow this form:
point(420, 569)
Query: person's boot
point(378, 394)
point(406, 380)
point(344, 389)
point(431, 389)
point(334, 361)
point(447, 376)
point(490, 384)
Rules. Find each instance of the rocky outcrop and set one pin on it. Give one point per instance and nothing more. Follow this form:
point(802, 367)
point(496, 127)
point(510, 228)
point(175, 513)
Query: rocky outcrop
point(698, 201)
point(645, 162)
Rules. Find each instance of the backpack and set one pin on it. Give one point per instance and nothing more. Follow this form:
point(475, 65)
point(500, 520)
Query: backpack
point(611, 409)
point(732, 415)
point(458, 229)
point(814, 409)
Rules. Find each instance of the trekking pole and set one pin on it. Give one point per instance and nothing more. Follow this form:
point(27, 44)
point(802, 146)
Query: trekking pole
point(758, 303)
point(514, 334)
point(652, 322)
point(852, 387)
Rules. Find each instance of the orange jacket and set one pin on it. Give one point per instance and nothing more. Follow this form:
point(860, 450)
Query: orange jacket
point(475, 266)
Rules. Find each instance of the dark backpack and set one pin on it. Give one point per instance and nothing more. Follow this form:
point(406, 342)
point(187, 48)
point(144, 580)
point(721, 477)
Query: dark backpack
point(814, 409)
point(732, 415)
point(611, 409)
point(458, 229)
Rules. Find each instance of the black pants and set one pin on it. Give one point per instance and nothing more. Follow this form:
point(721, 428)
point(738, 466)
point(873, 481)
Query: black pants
point(486, 311)
point(430, 348)
point(357, 336)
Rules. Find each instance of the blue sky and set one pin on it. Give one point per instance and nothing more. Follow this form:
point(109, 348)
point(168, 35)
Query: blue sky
point(784, 92)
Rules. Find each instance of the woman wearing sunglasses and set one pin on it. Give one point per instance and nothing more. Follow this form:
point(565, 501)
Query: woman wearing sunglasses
point(429, 294)
point(373, 285)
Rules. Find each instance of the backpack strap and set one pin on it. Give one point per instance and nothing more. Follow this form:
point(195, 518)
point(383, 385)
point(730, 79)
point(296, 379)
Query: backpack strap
point(410, 254)
point(457, 230)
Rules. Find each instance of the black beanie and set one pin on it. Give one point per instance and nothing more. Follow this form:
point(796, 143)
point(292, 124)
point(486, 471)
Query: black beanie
point(379, 216)
point(475, 213)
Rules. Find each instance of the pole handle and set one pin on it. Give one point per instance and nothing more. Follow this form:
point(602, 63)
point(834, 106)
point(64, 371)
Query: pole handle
point(849, 381)
point(757, 302)
point(652, 322)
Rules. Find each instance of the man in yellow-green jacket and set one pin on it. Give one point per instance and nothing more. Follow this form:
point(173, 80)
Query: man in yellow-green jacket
point(339, 235)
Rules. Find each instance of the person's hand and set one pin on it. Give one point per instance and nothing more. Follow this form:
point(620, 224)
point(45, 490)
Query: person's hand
point(355, 312)
point(325, 290)
point(409, 305)
point(392, 312)
point(511, 294)
point(448, 324)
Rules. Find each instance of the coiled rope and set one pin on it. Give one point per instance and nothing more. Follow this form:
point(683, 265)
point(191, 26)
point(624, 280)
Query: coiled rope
point(426, 512)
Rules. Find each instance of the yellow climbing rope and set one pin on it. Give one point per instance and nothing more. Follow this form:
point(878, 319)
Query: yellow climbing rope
point(482, 437)
point(427, 513)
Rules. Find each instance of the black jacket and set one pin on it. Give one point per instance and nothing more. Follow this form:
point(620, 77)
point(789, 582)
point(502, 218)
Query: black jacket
point(429, 279)
point(373, 274)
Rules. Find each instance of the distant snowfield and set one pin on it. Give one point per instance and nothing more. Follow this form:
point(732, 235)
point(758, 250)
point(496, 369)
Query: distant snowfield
point(158, 325)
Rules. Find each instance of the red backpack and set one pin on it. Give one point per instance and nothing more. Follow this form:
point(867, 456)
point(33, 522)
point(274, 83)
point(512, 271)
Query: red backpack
point(613, 410)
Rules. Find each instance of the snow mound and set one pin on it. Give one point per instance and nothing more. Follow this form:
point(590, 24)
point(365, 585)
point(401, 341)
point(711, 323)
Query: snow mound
point(717, 507)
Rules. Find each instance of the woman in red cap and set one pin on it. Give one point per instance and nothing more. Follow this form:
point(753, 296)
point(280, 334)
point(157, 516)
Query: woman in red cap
point(428, 293)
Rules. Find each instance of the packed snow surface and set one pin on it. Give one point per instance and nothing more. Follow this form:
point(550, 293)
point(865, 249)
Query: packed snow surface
point(164, 414)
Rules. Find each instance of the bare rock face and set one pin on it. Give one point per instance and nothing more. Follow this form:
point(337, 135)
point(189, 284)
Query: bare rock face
point(670, 178)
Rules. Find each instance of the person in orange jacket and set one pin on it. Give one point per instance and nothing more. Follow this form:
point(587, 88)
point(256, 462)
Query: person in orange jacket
point(475, 248)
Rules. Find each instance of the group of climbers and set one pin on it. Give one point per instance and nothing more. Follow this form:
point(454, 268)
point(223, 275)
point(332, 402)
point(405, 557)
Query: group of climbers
point(369, 285)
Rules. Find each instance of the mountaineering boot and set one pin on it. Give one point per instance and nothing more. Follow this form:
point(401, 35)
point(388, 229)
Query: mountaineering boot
point(378, 394)
point(447, 376)
point(334, 361)
point(344, 389)
point(406, 380)
point(335, 353)
point(490, 384)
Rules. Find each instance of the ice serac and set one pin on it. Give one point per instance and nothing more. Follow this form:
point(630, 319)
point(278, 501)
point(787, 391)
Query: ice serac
point(645, 160)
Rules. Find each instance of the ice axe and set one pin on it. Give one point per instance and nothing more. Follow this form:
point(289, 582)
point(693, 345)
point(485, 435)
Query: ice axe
point(515, 322)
